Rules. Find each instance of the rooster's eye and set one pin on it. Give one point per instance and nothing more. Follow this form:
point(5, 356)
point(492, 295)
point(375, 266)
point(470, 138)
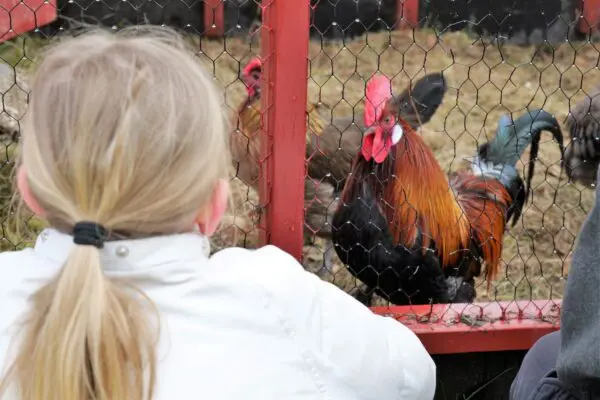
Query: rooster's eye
point(388, 120)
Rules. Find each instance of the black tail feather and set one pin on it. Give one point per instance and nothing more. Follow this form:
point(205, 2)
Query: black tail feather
point(533, 153)
point(509, 143)
point(417, 105)
point(523, 190)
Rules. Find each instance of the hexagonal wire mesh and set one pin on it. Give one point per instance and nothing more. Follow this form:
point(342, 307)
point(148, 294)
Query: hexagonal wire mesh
point(495, 59)
point(519, 66)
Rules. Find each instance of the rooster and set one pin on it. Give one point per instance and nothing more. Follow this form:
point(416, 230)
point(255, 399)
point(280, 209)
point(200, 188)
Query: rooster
point(414, 235)
point(331, 147)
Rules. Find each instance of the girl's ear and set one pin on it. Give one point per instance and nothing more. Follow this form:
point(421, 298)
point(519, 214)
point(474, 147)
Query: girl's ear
point(26, 194)
point(208, 221)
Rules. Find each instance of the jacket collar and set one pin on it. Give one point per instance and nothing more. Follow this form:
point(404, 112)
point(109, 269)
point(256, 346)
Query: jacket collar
point(129, 254)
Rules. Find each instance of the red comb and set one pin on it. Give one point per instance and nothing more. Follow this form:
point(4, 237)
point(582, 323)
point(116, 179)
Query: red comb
point(252, 65)
point(379, 90)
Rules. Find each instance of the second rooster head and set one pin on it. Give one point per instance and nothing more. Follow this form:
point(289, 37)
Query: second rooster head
point(384, 128)
point(251, 75)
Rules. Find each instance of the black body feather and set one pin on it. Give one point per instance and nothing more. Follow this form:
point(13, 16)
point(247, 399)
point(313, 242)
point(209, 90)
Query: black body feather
point(364, 243)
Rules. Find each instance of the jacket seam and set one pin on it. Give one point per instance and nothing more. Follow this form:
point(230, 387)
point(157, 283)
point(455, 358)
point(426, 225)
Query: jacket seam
point(290, 332)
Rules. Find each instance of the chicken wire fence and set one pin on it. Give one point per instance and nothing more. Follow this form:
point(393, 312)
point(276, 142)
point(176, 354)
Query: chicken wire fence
point(410, 193)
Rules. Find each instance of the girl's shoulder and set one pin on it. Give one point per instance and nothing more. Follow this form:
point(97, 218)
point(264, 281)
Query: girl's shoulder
point(20, 269)
point(273, 272)
point(264, 259)
point(13, 261)
point(268, 251)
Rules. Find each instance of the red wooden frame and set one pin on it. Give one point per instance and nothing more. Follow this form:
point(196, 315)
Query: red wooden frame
point(284, 36)
point(478, 327)
point(590, 16)
point(20, 16)
point(407, 14)
point(214, 18)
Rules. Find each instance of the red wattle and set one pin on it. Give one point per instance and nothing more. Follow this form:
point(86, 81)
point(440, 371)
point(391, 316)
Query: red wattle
point(380, 150)
point(367, 147)
point(374, 146)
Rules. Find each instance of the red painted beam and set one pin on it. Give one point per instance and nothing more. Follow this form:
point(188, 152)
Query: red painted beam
point(214, 18)
point(590, 16)
point(478, 327)
point(284, 45)
point(20, 16)
point(407, 14)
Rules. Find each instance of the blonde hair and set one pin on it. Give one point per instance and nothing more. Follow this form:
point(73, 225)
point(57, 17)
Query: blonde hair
point(124, 129)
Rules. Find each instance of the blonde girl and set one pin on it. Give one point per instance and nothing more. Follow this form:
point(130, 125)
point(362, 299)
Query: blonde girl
point(124, 153)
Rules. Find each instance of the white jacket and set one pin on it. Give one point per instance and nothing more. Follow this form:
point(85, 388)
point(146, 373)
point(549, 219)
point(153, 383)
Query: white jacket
point(242, 324)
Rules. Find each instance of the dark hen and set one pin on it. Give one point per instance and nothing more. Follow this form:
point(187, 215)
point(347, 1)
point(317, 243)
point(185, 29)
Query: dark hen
point(582, 155)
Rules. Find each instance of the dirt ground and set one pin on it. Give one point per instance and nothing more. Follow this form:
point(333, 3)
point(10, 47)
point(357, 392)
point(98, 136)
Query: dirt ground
point(486, 79)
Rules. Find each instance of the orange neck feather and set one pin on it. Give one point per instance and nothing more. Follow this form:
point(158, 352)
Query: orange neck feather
point(422, 197)
point(249, 116)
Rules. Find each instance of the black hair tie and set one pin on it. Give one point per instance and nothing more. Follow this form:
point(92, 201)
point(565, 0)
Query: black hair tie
point(90, 234)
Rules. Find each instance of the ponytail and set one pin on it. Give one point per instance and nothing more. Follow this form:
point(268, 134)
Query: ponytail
point(99, 145)
point(86, 337)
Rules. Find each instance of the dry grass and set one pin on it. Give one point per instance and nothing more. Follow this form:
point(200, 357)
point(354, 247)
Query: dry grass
point(486, 81)
point(19, 227)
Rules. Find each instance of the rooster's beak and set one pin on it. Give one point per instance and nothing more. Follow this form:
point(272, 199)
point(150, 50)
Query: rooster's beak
point(374, 145)
point(251, 87)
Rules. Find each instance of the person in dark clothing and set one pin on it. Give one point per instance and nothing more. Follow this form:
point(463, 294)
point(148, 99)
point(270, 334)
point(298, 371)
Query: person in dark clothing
point(539, 361)
point(568, 361)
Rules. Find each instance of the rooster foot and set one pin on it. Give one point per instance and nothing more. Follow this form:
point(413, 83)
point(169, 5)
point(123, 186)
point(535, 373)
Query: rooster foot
point(454, 283)
point(363, 293)
point(460, 290)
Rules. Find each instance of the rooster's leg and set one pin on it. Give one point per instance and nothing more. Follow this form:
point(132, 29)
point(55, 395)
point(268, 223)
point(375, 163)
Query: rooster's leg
point(363, 293)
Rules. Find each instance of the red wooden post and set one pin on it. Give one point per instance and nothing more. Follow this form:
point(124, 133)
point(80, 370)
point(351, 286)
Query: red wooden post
point(407, 14)
point(285, 29)
point(214, 20)
point(590, 16)
point(20, 16)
